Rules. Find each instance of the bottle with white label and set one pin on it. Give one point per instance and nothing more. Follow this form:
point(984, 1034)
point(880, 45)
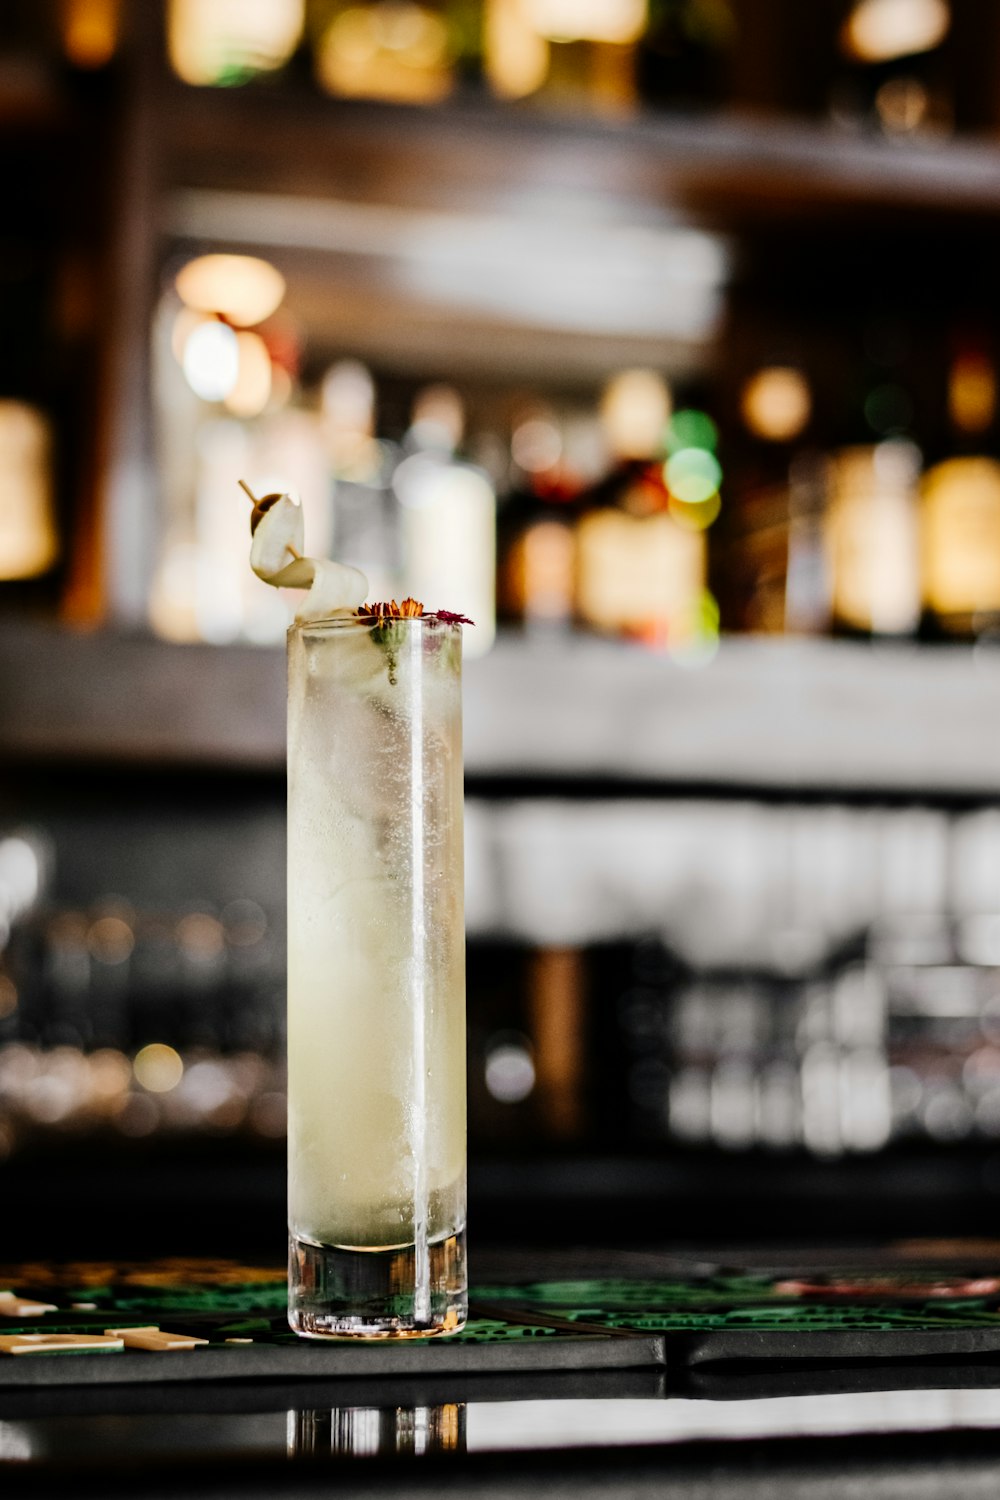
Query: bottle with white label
point(447, 518)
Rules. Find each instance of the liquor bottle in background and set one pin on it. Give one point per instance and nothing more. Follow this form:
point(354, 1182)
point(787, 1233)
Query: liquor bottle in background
point(366, 523)
point(29, 538)
point(641, 545)
point(895, 74)
point(221, 45)
point(774, 569)
point(564, 54)
point(537, 524)
point(396, 50)
point(447, 513)
point(960, 504)
point(872, 541)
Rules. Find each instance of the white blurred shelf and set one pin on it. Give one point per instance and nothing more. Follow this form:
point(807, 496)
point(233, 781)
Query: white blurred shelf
point(769, 713)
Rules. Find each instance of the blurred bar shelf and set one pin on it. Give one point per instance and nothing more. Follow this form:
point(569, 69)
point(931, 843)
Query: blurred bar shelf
point(728, 168)
point(768, 714)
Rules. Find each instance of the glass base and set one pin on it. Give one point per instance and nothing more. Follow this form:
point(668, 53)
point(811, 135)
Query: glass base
point(339, 1292)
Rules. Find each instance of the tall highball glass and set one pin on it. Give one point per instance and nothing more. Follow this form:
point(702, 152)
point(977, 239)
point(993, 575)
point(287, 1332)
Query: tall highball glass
point(376, 979)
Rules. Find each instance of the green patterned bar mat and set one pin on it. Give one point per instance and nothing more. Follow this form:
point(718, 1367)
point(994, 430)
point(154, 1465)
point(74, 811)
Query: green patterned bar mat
point(856, 1313)
point(241, 1313)
point(602, 1323)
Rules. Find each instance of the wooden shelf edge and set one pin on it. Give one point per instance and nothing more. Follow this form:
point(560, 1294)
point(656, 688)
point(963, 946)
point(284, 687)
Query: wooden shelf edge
point(728, 162)
point(776, 714)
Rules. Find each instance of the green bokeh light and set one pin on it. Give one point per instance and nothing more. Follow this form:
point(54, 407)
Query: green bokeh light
point(691, 429)
point(693, 475)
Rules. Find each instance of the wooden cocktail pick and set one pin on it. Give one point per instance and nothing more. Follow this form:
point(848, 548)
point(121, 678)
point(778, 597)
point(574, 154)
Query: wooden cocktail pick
point(13, 1306)
point(154, 1339)
point(53, 1343)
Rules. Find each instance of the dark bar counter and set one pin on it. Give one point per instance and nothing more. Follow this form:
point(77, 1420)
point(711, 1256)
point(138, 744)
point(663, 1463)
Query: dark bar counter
point(801, 1370)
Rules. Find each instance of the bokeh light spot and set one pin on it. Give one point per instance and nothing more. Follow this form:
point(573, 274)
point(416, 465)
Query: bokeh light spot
point(158, 1068)
point(692, 475)
point(690, 428)
point(241, 288)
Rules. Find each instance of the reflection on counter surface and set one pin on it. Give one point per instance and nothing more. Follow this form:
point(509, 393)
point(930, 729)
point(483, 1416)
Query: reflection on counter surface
point(447, 1432)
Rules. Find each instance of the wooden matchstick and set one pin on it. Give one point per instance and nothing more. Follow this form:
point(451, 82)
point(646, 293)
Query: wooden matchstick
point(52, 1343)
point(13, 1306)
point(154, 1339)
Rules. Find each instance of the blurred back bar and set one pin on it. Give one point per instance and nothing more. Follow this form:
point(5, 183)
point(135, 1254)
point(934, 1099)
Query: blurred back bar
point(660, 338)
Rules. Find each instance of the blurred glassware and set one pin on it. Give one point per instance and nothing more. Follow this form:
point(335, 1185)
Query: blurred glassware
point(448, 519)
point(895, 74)
point(90, 31)
point(872, 538)
point(401, 51)
point(569, 54)
point(29, 537)
point(225, 42)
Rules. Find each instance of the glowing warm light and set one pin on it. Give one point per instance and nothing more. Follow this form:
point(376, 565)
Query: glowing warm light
point(394, 51)
point(516, 58)
point(972, 392)
point(960, 536)
point(536, 445)
point(49, 1098)
point(111, 940)
point(697, 517)
point(879, 30)
point(619, 21)
point(776, 403)
point(201, 937)
point(241, 288)
point(642, 577)
point(29, 543)
point(212, 361)
point(542, 568)
point(871, 537)
point(90, 31)
point(228, 41)
point(158, 1068)
point(692, 475)
point(110, 1073)
point(635, 409)
point(252, 390)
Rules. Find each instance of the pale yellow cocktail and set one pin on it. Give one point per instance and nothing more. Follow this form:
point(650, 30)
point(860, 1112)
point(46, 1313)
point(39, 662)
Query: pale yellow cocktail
point(376, 977)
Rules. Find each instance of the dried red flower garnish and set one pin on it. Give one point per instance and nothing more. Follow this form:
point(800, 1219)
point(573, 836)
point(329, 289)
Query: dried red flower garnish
point(410, 609)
